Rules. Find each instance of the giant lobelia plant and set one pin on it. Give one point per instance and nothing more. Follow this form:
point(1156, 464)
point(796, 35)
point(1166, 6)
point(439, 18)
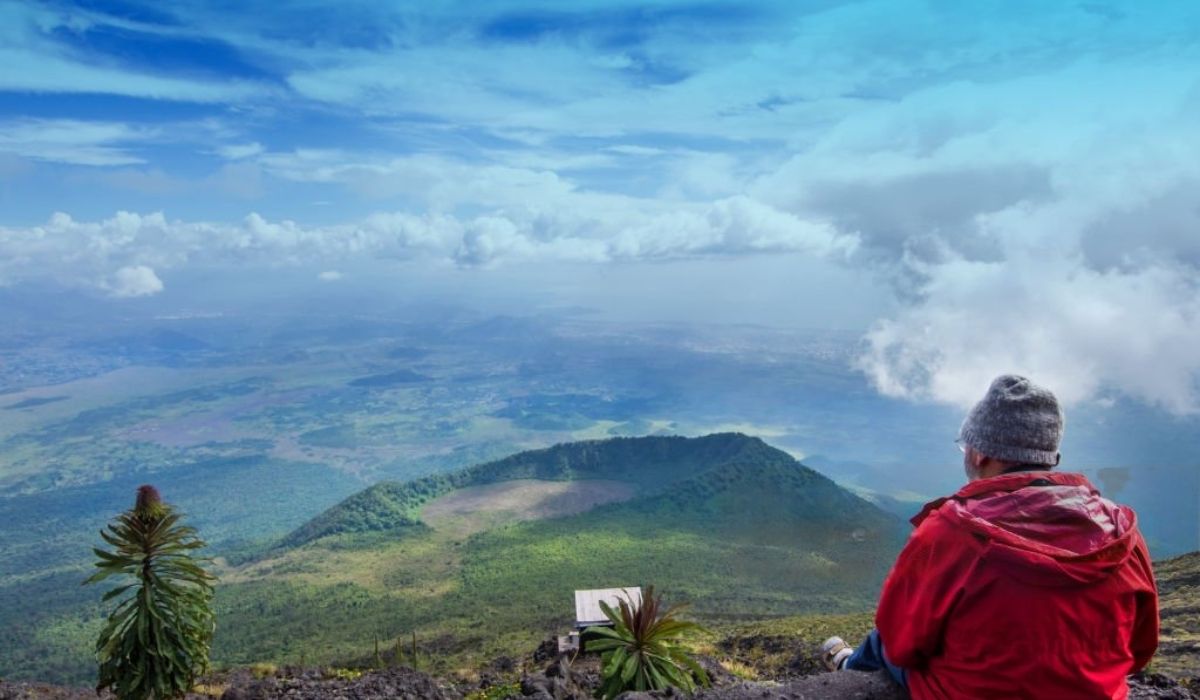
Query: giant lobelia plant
point(157, 639)
point(644, 649)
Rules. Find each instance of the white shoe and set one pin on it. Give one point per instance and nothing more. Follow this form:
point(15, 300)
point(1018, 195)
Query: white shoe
point(834, 653)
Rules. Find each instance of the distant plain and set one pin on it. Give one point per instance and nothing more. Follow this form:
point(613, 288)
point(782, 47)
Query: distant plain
point(253, 426)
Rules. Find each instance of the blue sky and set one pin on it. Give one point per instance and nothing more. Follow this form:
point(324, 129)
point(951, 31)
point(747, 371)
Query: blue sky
point(976, 186)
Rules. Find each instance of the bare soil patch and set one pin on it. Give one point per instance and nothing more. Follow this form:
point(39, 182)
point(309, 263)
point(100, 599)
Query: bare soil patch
point(478, 508)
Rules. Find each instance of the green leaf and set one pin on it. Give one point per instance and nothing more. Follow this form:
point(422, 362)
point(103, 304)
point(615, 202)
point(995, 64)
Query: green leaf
point(630, 667)
point(657, 680)
point(158, 637)
point(691, 664)
point(116, 592)
point(600, 645)
point(641, 651)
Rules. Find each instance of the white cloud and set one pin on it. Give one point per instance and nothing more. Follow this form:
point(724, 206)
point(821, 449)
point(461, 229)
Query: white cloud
point(134, 281)
point(81, 253)
point(72, 141)
point(36, 60)
point(29, 71)
point(786, 75)
point(238, 151)
point(1027, 185)
point(438, 182)
point(329, 276)
point(734, 226)
point(635, 150)
point(1076, 330)
point(1036, 240)
point(1034, 216)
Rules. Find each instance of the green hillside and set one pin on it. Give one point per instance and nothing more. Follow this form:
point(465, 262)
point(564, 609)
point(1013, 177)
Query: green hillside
point(481, 563)
point(739, 528)
point(652, 463)
point(1179, 606)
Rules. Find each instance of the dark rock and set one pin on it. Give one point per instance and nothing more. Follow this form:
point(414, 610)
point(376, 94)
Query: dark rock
point(398, 683)
point(827, 686)
point(717, 675)
point(561, 680)
point(546, 651)
point(878, 686)
point(1155, 686)
point(569, 682)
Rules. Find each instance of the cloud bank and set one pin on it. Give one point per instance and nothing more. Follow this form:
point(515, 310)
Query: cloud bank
point(120, 255)
point(1070, 259)
point(1023, 175)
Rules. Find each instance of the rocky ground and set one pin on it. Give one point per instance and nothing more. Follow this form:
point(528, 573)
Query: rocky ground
point(561, 682)
point(557, 680)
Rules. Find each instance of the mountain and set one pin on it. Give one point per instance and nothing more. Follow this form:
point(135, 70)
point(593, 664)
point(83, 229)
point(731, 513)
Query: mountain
point(484, 560)
point(682, 470)
point(479, 565)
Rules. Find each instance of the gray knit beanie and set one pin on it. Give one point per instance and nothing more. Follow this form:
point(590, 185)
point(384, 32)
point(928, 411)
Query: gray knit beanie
point(1016, 421)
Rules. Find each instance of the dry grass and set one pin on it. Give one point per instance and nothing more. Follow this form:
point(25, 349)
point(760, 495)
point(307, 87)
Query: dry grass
point(739, 669)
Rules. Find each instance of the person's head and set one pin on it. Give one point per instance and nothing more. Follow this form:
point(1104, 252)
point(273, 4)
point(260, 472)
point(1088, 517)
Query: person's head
point(1015, 423)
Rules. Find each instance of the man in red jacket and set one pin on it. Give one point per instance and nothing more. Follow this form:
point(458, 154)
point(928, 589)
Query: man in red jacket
point(1024, 584)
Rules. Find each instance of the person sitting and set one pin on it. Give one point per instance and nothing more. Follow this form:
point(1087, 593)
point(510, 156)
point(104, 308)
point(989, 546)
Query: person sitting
point(1026, 583)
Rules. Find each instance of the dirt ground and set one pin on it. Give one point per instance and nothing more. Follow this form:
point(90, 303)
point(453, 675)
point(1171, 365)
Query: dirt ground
point(477, 508)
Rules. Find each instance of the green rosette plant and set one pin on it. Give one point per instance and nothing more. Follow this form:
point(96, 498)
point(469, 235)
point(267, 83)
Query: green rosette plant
point(644, 649)
point(156, 642)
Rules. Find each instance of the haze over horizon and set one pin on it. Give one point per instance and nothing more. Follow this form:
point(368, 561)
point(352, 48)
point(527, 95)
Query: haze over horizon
point(973, 188)
point(426, 314)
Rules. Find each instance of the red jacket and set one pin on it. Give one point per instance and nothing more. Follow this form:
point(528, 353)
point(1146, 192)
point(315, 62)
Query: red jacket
point(1024, 585)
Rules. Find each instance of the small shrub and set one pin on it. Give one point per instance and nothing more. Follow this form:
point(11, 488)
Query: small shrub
point(157, 639)
point(739, 669)
point(344, 674)
point(496, 692)
point(644, 649)
point(263, 670)
point(212, 690)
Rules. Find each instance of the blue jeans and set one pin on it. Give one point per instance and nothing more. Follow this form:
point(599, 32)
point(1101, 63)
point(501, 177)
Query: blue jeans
point(870, 656)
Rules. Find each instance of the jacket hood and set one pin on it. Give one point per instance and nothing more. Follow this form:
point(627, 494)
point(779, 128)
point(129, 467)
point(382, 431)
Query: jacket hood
point(1045, 528)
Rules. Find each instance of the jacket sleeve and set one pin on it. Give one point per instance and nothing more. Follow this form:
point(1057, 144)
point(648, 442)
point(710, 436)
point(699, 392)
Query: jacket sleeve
point(1144, 642)
point(922, 590)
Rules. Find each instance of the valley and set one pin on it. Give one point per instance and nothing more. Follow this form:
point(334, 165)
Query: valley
point(258, 428)
point(425, 315)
